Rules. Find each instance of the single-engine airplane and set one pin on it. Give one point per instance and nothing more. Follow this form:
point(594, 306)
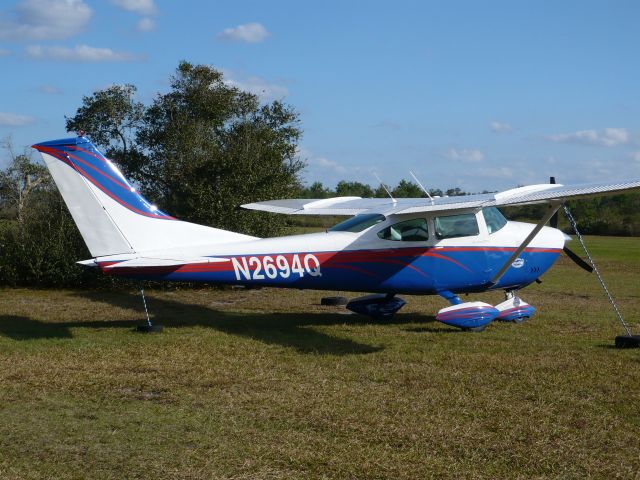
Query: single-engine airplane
point(435, 246)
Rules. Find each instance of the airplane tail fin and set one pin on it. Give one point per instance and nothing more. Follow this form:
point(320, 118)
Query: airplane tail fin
point(111, 215)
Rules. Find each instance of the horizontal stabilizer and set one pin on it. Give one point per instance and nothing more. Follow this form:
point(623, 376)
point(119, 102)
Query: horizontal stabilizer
point(144, 262)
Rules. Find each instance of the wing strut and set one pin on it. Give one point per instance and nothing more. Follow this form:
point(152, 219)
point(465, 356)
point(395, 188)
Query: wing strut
point(553, 208)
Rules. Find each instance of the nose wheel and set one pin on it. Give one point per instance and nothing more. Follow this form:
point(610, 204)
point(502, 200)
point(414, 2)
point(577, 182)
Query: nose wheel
point(514, 309)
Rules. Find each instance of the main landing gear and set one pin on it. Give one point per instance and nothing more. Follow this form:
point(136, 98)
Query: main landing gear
point(377, 306)
point(475, 316)
point(514, 309)
point(468, 316)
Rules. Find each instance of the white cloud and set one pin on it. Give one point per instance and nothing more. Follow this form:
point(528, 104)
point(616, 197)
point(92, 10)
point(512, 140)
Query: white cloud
point(464, 155)
point(635, 156)
point(4, 52)
point(50, 90)
point(596, 169)
point(320, 162)
point(80, 53)
point(329, 164)
point(249, 33)
point(14, 119)
point(258, 86)
point(500, 127)
point(145, 24)
point(141, 7)
point(498, 171)
point(44, 19)
point(608, 137)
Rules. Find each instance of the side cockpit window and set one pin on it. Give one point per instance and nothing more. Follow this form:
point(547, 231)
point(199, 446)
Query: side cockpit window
point(494, 219)
point(452, 226)
point(414, 230)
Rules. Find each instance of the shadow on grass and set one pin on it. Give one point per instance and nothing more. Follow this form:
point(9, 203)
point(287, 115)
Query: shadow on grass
point(612, 346)
point(24, 328)
point(292, 330)
point(433, 330)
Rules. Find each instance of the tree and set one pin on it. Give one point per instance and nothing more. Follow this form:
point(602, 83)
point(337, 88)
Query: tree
point(380, 192)
point(454, 192)
point(19, 181)
point(111, 116)
point(316, 190)
point(353, 189)
point(201, 149)
point(39, 241)
point(212, 147)
point(407, 189)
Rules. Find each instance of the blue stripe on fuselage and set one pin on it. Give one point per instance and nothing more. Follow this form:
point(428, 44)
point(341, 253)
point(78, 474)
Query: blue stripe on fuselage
point(456, 269)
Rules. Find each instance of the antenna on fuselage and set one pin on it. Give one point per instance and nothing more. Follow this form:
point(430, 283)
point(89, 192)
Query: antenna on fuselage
point(385, 188)
point(422, 187)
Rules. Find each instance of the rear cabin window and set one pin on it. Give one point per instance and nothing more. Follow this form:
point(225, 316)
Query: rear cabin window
point(414, 230)
point(494, 219)
point(453, 226)
point(358, 223)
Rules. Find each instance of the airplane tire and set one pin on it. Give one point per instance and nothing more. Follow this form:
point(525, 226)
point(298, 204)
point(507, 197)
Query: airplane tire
point(334, 301)
point(520, 319)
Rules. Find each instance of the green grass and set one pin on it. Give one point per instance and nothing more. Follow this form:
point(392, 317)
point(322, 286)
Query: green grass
point(268, 384)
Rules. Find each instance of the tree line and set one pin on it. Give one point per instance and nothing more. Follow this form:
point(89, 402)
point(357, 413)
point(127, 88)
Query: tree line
point(404, 189)
point(197, 152)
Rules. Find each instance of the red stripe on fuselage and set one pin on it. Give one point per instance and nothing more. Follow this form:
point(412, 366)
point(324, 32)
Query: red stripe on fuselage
point(337, 259)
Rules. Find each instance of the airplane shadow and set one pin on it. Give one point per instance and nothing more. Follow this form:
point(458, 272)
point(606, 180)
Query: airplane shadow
point(24, 328)
point(291, 330)
point(432, 329)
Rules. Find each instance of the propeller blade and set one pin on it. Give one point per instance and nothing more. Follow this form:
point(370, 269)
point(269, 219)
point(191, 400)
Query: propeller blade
point(579, 261)
point(553, 222)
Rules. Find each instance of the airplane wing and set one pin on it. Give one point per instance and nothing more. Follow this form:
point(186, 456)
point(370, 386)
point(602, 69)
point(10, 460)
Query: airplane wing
point(532, 194)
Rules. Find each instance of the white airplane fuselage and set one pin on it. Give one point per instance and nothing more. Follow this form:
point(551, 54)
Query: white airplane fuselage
point(361, 261)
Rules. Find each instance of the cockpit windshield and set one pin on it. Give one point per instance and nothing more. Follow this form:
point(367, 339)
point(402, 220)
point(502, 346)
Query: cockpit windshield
point(358, 223)
point(494, 219)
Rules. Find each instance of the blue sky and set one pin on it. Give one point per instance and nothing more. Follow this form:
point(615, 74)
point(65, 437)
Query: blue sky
point(478, 95)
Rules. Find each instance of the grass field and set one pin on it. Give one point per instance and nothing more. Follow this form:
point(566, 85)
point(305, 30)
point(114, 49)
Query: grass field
point(269, 384)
